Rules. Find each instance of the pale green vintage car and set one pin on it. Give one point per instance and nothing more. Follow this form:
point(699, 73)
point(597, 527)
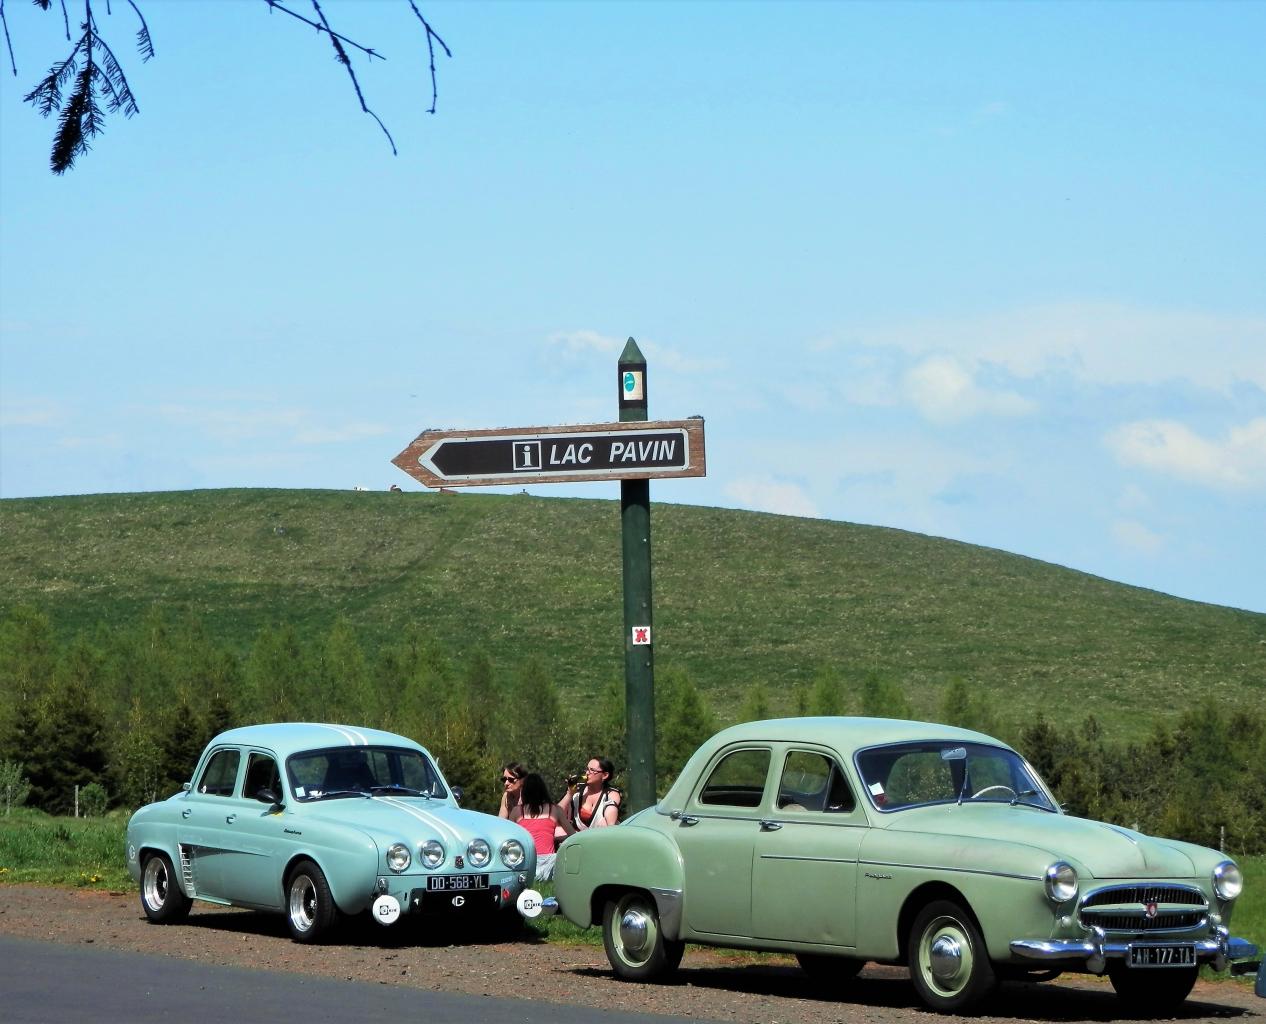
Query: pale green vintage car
point(844, 840)
point(314, 821)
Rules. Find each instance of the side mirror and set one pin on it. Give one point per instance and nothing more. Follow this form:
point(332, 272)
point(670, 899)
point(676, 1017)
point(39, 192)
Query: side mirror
point(186, 786)
point(267, 796)
point(458, 793)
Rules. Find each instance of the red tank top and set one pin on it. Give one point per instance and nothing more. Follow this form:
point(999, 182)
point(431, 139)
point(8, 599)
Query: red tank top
point(542, 830)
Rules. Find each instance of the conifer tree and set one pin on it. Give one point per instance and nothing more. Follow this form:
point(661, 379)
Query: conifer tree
point(756, 704)
point(827, 695)
point(683, 720)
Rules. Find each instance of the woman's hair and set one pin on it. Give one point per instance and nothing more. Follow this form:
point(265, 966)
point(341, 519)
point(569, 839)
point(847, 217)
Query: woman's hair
point(535, 796)
point(515, 769)
point(605, 764)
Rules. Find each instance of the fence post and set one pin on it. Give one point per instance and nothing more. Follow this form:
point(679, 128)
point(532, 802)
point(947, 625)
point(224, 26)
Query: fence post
point(76, 799)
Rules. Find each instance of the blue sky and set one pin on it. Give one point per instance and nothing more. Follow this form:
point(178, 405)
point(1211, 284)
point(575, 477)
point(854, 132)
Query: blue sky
point(991, 272)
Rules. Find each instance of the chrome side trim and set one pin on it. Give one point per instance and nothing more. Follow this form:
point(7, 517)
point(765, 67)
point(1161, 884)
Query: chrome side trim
point(957, 871)
point(668, 903)
point(822, 860)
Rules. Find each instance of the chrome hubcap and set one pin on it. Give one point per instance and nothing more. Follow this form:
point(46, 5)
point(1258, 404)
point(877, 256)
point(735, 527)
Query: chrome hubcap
point(302, 903)
point(155, 883)
point(634, 930)
point(946, 958)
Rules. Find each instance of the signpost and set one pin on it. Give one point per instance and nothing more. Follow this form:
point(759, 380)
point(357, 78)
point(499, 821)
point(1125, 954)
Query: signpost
point(634, 451)
point(540, 455)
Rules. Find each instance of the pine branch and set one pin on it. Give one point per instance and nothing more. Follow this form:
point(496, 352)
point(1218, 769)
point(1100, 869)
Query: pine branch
point(431, 34)
point(144, 43)
point(343, 59)
point(276, 5)
point(69, 141)
point(121, 97)
point(47, 96)
point(5, 22)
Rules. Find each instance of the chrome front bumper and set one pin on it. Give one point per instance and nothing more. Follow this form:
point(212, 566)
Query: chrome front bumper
point(1095, 952)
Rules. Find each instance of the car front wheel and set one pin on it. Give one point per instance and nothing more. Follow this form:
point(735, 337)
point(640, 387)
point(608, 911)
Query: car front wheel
point(949, 964)
point(1152, 991)
point(310, 910)
point(161, 896)
point(634, 939)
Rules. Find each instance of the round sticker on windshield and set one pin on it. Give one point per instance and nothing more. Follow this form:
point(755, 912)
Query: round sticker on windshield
point(386, 909)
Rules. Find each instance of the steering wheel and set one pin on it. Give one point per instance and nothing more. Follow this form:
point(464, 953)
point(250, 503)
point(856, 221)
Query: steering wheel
point(990, 789)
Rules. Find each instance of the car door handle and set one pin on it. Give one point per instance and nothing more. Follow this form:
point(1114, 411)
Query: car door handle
point(186, 812)
point(229, 819)
point(686, 819)
point(770, 826)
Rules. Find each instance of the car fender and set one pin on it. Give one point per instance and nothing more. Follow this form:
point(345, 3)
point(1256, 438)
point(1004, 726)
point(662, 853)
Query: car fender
point(595, 864)
point(1001, 884)
point(348, 858)
point(148, 831)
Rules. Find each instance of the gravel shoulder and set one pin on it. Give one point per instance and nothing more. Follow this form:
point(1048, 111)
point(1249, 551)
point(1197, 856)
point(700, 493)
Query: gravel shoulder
point(712, 985)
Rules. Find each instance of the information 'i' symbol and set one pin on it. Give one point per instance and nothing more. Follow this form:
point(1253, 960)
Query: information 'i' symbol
point(525, 457)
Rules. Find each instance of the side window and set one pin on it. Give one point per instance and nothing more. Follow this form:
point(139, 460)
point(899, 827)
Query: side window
point(738, 780)
point(813, 782)
point(220, 775)
point(261, 773)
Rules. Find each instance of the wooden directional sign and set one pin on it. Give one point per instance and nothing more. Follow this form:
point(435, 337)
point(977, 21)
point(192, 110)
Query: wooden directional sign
point(538, 455)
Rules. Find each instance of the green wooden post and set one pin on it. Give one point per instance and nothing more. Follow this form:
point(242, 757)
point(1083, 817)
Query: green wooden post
point(639, 672)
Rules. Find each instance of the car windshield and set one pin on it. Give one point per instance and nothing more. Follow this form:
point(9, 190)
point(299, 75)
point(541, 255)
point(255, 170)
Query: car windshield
point(361, 772)
point(944, 771)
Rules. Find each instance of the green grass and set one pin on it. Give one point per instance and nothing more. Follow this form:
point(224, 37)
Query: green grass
point(739, 596)
point(86, 853)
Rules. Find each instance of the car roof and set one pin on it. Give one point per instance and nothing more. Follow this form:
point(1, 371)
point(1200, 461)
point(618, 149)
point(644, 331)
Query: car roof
point(846, 733)
point(286, 738)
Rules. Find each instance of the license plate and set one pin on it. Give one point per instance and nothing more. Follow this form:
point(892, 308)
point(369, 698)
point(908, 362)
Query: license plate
point(1162, 956)
point(456, 883)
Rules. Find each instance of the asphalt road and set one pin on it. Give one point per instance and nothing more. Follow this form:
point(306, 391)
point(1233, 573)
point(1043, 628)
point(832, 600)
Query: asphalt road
point(51, 983)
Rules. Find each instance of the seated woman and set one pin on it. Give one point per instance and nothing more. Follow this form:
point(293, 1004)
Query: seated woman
point(537, 813)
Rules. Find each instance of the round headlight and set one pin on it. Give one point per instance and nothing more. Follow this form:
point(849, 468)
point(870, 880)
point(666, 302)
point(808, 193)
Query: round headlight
point(512, 854)
point(1228, 883)
point(479, 852)
point(398, 857)
point(1061, 882)
point(432, 853)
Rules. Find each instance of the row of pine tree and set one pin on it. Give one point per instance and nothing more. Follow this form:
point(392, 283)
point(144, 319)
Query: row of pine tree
point(128, 710)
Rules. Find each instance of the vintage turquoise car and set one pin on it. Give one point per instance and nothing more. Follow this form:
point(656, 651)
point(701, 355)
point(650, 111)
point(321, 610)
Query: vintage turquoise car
point(846, 840)
point(317, 821)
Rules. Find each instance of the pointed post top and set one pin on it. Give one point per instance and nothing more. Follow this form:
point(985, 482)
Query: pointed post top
point(632, 355)
point(631, 374)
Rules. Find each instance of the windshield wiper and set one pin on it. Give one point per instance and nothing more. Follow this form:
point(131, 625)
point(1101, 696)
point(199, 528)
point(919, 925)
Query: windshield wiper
point(343, 792)
point(394, 787)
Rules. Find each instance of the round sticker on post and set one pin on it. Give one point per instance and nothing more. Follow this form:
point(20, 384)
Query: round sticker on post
point(386, 910)
point(529, 903)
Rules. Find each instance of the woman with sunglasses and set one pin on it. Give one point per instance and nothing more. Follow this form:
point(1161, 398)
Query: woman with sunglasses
point(596, 803)
point(511, 788)
point(541, 817)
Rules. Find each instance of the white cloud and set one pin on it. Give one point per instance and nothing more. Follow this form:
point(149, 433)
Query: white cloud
point(944, 391)
point(1104, 343)
point(30, 413)
point(1235, 462)
point(1130, 533)
point(761, 494)
point(337, 435)
point(586, 343)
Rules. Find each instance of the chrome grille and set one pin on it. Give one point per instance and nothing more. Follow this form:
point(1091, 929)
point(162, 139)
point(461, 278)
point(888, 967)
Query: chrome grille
point(1123, 908)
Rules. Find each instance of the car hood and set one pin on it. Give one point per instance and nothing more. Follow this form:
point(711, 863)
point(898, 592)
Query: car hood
point(416, 820)
point(1106, 851)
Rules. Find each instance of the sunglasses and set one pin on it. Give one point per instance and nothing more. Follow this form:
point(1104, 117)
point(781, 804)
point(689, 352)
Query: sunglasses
point(507, 779)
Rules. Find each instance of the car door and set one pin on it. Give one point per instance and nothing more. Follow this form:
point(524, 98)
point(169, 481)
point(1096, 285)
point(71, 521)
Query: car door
point(251, 837)
point(716, 834)
point(200, 832)
point(804, 871)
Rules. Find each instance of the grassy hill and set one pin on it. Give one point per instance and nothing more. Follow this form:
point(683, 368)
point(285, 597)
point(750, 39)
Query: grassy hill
point(739, 596)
